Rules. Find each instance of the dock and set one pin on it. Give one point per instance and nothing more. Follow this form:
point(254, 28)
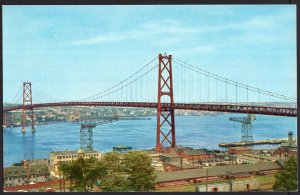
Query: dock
point(258, 142)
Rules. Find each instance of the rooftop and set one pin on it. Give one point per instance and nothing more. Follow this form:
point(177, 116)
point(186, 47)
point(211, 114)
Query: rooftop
point(216, 171)
point(256, 157)
point(196, 152)
point(72, 152)
point(21, 171)
point(168, 155)
point(287, 144)
point(281, 162)
point(184, 166)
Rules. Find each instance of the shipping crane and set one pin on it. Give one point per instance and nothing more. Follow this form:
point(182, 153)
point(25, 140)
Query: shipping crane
point(246, 131)
point(86, 131)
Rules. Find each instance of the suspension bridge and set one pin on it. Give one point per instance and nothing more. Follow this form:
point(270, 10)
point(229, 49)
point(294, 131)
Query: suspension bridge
point(196, 89)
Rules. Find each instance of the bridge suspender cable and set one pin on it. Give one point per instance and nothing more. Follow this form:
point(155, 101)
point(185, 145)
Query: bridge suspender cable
point(254, 89)
point(14, 100)
point(96, 95)
point(124, 85)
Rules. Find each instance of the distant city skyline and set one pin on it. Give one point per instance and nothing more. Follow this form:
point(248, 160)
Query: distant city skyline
point(73, 52)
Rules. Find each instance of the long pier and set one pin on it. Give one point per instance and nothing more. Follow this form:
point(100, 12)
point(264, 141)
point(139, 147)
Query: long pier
point(258, 142)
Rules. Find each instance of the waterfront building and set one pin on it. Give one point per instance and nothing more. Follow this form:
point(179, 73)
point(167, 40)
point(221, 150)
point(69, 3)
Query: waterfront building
point(288, 148)
point(218, 173)
point(194, 154)
point(177, 166)
point(69, 156)
point(165, 157)
point(239, 150)
point(26, 174)
point(291, 144)
point(73, 117)
point(234, 186)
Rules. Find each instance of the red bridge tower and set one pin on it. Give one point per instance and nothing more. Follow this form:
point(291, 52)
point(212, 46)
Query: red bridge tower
point(27, 110)
point(165, 116)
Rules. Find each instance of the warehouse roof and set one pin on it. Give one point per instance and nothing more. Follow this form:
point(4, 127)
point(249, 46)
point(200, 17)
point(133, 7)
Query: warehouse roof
point(216, 171)
point(196, 152)
point(184, 166)
point(169, 155)
point(281, 162)
point(256, 158)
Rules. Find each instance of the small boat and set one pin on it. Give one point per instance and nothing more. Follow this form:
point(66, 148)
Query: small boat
point(122, 148)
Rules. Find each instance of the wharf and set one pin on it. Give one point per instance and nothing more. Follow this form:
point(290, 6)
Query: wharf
point(258, 142)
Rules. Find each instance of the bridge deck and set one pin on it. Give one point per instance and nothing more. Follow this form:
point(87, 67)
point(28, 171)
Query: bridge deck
point(231, 108)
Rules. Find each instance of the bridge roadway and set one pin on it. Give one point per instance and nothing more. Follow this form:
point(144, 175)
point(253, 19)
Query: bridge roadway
point(232, 108)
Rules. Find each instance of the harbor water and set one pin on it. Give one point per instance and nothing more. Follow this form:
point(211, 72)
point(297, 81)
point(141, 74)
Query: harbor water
point(192, 131)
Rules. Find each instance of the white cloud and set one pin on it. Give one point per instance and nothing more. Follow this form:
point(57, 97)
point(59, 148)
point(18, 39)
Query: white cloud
point(168, 26)
point(203, 49)
point(264, 30)
point(259, 28)
point(99, 39)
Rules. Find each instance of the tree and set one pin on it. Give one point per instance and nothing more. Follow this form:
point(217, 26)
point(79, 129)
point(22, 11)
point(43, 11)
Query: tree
point(83, 173)
point(141, 174)
point(115, 180)
point(128, 172)
point(286, 180)
point(116, 172)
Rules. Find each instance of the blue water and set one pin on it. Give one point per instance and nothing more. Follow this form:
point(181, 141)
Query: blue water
point(193, 131)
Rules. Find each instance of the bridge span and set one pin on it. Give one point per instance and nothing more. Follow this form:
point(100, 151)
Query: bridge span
point(165, 130)
point(231, 108)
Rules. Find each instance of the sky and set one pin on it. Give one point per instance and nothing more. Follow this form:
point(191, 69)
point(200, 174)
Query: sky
point(73, 52)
